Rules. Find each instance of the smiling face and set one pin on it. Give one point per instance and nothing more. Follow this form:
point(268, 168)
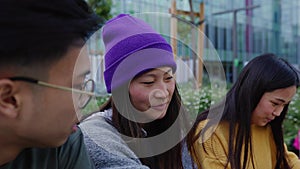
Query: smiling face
point(151, 92)
point(271, 105)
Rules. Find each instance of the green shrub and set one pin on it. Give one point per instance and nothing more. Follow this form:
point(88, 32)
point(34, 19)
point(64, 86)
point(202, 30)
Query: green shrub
point(197, 100)
point(291, 124)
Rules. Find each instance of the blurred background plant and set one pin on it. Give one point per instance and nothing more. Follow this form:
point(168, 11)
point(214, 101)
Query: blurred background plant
point(101, 8)
point(199, 100)
point(292, 124)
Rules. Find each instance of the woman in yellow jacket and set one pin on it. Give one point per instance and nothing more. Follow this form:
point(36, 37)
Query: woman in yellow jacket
point(245, 130)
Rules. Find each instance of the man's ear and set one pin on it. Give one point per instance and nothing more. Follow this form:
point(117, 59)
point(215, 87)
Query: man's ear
point(9, 102)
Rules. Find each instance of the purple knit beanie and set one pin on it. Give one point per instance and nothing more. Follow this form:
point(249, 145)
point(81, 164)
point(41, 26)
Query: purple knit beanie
point(132, 46)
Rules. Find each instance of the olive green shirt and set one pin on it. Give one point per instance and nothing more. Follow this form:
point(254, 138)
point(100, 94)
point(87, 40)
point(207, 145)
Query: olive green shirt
point(71, 155)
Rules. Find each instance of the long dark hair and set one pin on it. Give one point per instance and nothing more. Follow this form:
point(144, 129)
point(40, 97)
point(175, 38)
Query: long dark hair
point(264, 73)
point(168, 160)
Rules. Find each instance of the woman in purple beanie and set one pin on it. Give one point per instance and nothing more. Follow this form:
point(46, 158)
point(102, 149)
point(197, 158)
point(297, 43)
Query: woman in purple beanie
point(142, 123)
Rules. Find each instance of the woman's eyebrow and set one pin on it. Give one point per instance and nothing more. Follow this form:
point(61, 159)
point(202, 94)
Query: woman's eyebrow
point(281, 100)
point(168, 71)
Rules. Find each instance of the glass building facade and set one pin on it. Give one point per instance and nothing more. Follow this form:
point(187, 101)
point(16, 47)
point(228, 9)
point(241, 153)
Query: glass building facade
point(271, 27)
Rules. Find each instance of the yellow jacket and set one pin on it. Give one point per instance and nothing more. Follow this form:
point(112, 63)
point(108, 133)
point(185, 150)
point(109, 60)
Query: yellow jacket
point(263, 149)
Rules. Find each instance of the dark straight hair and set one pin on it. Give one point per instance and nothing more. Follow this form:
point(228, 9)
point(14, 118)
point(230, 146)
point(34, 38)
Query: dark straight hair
point(262, 74)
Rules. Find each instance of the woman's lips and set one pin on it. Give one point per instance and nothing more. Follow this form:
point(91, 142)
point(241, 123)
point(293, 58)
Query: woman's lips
point(270, 119)
point(160, 107)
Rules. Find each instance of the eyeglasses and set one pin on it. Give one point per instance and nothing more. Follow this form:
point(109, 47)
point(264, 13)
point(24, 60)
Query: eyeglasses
point(86, 92)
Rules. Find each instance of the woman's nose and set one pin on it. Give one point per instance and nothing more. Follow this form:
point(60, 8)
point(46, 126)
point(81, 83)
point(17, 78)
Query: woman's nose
point(162, 91)
point(161, 94)
point(278, 111)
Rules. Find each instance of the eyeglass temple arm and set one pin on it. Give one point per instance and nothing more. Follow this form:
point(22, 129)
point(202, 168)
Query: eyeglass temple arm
point(65, 88)
point(31, 80)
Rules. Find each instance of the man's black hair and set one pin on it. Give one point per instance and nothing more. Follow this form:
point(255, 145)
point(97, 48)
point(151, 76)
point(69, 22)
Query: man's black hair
point(41, 31)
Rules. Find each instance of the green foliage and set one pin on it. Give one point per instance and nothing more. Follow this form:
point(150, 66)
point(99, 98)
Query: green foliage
point(195, 100)
point(291, 124)
point(184, 31)
point(102, 100)
point(199, 100)
point(101, 7)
